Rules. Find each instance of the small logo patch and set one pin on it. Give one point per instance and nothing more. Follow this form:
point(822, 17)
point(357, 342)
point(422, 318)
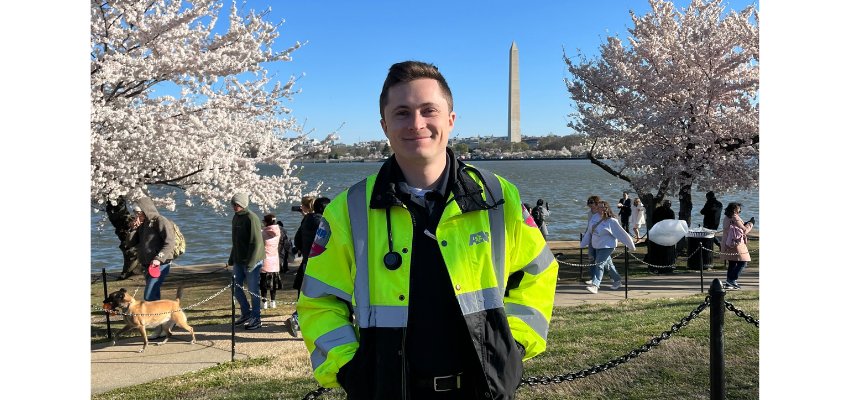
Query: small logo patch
point(320, 241)
point(529, 220)
point(479, 237)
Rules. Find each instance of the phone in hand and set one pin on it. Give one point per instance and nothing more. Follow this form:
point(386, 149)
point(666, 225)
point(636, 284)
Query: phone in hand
point(752, 220)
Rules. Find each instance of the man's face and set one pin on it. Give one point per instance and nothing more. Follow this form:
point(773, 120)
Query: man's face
point(417, 121)
point(140, 216)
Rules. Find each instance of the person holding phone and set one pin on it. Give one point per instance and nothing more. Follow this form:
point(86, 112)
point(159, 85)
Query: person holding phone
point(737, 255)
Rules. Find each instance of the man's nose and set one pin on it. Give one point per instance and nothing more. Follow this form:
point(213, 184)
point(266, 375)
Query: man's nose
point(417, 122)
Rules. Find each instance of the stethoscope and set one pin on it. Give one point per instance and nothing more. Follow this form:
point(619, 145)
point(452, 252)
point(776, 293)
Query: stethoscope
point(392, 260)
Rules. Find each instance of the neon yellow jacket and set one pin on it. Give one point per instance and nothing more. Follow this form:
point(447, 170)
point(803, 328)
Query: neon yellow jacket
point(499, 264)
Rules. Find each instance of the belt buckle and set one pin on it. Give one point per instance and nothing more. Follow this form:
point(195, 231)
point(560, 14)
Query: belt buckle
point(447, 377)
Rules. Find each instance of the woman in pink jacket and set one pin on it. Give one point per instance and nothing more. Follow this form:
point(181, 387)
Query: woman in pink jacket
point(270, 272)
point(737, 254)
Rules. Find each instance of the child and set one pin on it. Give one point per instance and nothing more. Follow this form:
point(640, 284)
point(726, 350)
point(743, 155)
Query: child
point(270, 272)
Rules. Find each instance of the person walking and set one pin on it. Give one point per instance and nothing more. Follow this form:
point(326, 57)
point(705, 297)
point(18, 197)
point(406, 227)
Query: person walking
point(153, 236)
point(154, 239)
point(246, 257)
point(540, 213)
point(427, 280)
point(270, 272)
point(601, 240)
point(737, 253)
point(625, 210)
point(638, 218)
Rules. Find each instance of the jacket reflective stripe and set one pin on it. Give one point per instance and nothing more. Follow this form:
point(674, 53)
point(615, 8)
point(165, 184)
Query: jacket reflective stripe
point(385, 317)
point(337, 337)
point(497, 227)
point(358, 215)
point(530, 316)
point(541, 262)
point(315, 288)
point(480, 300)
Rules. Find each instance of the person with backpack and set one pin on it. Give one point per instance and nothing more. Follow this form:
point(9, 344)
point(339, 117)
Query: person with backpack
point(154, 239)
point(734, 244)
point(153, 236)
point(540, 214)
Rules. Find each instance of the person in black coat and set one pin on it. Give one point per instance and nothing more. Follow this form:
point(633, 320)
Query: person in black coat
point(303, 241)
point(304, 238)
point(711, 211)
point(625, 213)
point(661, 258)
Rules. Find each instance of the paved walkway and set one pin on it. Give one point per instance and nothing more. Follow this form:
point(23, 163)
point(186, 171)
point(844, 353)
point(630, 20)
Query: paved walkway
point(213, 344)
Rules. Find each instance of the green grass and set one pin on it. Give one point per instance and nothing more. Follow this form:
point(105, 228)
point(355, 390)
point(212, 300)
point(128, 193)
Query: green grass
point(579, 337)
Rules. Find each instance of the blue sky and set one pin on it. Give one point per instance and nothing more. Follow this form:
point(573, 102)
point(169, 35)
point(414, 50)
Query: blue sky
point(352, 44)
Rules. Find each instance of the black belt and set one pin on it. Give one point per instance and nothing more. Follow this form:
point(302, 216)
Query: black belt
point(439, 383)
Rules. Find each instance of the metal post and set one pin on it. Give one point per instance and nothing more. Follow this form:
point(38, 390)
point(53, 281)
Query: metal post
point(627, 272)
point(106, 293)
point(701, 266)
point(233, 317)
point(717, 364)
point(580, 259)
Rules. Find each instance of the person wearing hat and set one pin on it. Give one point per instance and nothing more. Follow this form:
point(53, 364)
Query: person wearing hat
point(246, 257)
point(153, 236)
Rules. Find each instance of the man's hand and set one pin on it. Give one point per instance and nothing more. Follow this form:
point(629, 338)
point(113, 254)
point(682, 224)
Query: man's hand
point(155, 262)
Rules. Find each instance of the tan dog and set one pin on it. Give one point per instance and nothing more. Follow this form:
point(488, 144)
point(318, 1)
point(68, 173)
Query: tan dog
point(148, 314)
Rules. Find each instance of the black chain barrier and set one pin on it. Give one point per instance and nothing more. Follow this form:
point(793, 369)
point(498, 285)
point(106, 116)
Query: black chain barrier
point(316, 393)
point(745, 316)
point(545, 380)
point(654, 342)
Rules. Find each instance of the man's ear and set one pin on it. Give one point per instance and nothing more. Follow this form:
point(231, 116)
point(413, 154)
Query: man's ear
point(384, 127)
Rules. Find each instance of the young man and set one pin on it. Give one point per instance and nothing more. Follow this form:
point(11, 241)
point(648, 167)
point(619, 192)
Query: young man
point(246, 257)
point(428, 277)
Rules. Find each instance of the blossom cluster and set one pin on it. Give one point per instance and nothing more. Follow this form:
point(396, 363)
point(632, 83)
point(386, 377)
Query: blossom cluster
point(677, 105)
point(179, 103)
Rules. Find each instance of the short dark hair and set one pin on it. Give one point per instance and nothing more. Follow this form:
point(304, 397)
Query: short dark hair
point(320, 204)
point(269, 219)
point(539, 202)
point(409, 71)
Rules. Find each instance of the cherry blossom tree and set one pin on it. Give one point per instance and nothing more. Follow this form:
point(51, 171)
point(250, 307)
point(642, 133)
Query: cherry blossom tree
point(182, 104)
point(677, 106)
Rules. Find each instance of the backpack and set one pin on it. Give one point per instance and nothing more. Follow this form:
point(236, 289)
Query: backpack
point(537, 215)
point(284, 245)
point(179, 241)
point(733, 236)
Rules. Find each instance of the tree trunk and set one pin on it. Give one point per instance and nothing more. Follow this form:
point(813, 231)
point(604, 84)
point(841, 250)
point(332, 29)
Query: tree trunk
point(120, 218)
point(686, 206)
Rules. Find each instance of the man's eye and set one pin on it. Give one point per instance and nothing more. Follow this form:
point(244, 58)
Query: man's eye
point(401, 113)
point(430, 111)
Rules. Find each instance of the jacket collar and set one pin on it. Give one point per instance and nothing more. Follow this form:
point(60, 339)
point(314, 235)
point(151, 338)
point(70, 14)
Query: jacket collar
point(386, 191)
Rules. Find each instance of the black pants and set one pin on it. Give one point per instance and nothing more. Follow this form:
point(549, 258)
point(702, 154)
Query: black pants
point(624, 222)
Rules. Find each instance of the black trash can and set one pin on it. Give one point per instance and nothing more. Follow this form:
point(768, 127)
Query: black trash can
point(697, 237)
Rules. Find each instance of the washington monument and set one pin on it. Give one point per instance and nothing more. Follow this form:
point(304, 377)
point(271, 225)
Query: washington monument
point(514, 133)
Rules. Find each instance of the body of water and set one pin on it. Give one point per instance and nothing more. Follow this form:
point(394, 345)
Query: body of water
point(565, 184)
